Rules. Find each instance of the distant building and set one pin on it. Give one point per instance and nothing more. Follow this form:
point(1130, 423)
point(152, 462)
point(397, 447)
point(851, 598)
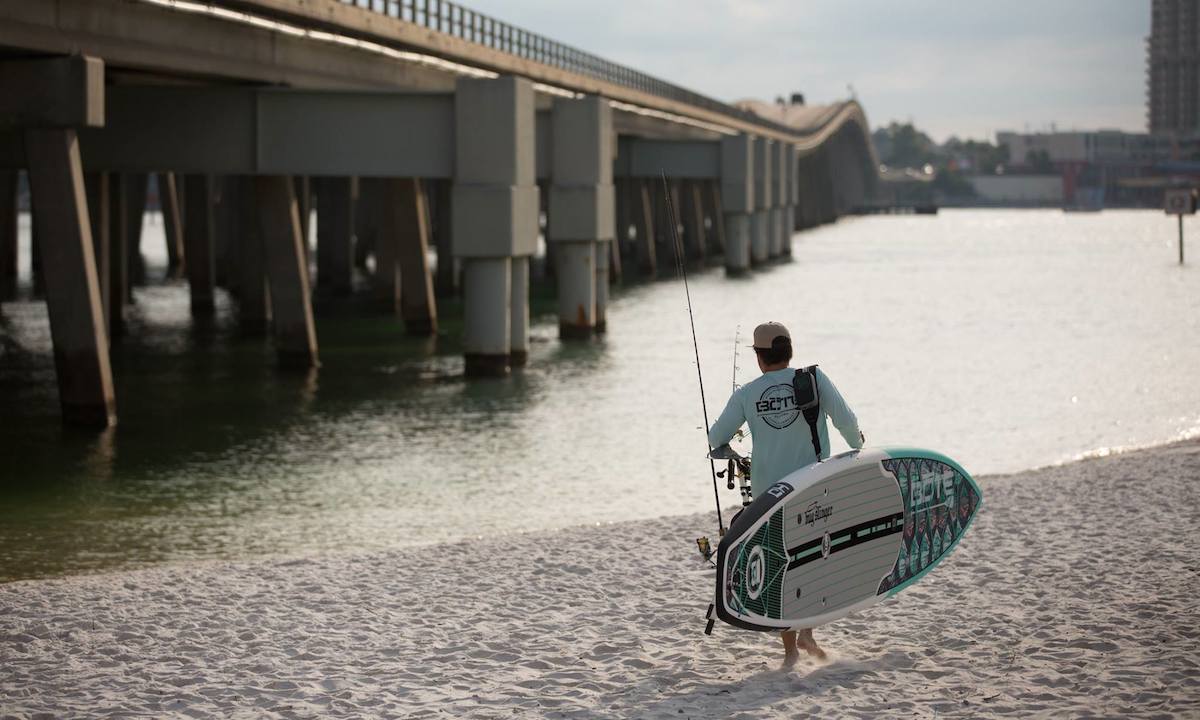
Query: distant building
point(1100, 146)
point(1173, 69)
point(1100, 167)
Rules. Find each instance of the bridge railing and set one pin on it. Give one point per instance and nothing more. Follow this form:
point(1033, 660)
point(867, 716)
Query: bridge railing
point(474, 27)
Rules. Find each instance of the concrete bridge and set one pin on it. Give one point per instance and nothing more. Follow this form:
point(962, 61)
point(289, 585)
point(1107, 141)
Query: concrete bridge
point(422, 129)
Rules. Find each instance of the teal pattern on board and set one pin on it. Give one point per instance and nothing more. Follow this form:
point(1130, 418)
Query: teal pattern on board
point(761, 562)
point(939, 505)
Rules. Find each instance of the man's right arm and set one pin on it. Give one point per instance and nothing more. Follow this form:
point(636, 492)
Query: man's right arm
point(731, 419)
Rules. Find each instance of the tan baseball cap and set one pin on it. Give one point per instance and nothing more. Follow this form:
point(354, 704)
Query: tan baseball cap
point(766, 333)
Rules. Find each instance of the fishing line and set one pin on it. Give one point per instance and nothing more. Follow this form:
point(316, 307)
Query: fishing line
point(681, 267)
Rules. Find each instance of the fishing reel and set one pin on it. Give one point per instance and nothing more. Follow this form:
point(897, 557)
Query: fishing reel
point(737, 468)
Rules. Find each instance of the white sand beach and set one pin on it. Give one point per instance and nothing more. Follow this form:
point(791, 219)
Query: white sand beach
point(1076, 593)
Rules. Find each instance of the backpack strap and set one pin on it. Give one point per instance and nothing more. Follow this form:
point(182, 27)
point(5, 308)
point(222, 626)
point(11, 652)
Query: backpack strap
point(808, 402)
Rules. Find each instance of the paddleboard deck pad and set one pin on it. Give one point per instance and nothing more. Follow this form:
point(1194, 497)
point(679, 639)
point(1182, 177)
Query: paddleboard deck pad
point(838, 536)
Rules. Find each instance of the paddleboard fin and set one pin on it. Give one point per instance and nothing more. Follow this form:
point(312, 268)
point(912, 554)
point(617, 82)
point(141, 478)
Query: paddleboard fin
point(708, 628)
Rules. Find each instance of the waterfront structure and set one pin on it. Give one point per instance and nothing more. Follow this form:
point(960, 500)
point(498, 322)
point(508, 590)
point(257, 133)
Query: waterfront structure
point(1091, 168)
point(417, 126)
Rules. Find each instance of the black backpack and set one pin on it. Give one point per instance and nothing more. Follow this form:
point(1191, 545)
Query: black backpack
point(808, 401)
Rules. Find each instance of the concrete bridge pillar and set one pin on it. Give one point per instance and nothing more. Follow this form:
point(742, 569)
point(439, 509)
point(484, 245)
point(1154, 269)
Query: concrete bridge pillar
point(829, 182)
point(446, 281)
point(737, 200)
point(760, 221)
point(47, 99)
point(96, 186)
point(335, 235)
point(582, 207)
point(776, 232)
point(401, 254)
point(691, 215)
point(135, 214)
point(666, 203)
point(168, 200)
point(303, 188)
point(518, 353)
point(711, 207)
point(620, 231)
point(8, 235)
point(791, 198)
point(287, 271)
point(72, 287)
point(494, 220)
point(248, 253)
point(198, 242)
point(646, 251)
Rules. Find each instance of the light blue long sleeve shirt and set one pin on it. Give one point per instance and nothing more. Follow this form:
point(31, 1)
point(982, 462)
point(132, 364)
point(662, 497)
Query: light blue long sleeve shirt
point(782, 440)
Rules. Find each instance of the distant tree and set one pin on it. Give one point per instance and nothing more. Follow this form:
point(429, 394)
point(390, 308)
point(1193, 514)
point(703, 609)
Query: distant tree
point(904, 146)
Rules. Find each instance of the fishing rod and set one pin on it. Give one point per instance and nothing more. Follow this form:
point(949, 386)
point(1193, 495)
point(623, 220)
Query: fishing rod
point(681, 267)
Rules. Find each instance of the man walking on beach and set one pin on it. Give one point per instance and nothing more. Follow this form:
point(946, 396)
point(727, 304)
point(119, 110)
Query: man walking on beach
point(782, 437)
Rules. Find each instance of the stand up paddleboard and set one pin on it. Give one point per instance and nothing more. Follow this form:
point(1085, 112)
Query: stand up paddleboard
point(840, 535)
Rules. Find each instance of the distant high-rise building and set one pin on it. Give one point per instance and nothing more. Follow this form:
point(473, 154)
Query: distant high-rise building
point(1173, 68)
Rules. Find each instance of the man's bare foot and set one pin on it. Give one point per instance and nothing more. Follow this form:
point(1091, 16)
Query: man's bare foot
point(790, 659)
point(805, 640)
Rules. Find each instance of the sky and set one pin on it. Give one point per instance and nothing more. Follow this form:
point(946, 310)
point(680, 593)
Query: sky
point(954, 67)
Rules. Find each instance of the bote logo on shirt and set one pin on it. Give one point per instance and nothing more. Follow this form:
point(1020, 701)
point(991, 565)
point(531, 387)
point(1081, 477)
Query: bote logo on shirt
point(777, 406)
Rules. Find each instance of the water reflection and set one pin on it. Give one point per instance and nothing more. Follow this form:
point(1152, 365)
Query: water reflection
point(993, 336)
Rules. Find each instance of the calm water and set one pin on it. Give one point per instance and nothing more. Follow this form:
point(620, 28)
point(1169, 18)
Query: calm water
point(1007, 339)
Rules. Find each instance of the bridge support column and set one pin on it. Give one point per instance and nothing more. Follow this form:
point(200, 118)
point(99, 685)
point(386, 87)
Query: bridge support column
point(666, 219)
point(777, 232)
point(287, 269)
point(519, 319)
point(737, 196)
point(495, 214)
point(135, 215)
point(8, 235)
point(643, 227)
point(168, 201)
point(335, 233)
point(488, 324)
point(825, 183)
point(96, 187)
point(603, 274)
point(446, 282)
point(691, 213)
point(582, 208)
point(248, 275)
point(406, 229)
point(303, 188)
point(712, 212)
point(198, 242)
point(385, 234)
point(118, 254)
point(366, 220)
point(47, 99)
point(81, 358)
point(791, 197)
point(621, 216)
point(760, 221)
